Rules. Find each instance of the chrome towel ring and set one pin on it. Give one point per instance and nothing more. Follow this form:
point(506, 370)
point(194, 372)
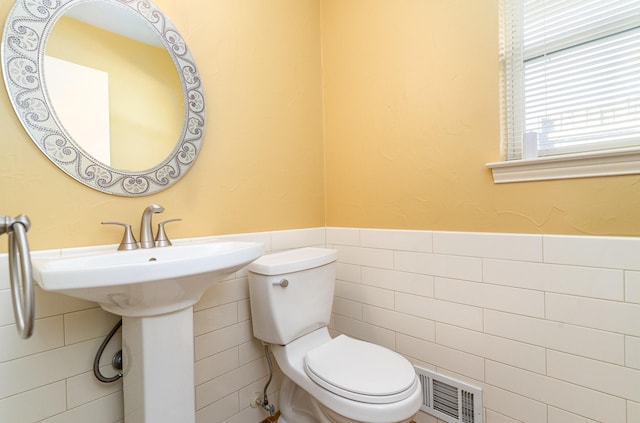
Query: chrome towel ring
point(20, 272)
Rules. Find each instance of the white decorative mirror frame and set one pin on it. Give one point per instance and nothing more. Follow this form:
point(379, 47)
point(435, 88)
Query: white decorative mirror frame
point(24, 40)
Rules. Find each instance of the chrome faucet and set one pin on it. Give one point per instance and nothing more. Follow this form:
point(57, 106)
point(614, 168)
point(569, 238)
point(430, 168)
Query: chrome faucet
point(146, 230)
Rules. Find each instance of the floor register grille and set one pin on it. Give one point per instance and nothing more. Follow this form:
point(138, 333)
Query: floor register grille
point(448, 399)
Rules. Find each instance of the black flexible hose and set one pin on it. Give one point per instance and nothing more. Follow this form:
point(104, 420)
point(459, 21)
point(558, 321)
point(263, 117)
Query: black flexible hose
point(96, 360)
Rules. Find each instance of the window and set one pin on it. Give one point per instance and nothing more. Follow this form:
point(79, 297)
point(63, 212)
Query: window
point(570, 81)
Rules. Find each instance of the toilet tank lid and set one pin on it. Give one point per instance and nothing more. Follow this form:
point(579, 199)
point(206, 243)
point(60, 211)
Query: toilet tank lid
point(292, 261)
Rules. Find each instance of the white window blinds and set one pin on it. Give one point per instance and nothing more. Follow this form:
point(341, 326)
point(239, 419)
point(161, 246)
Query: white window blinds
point(570, 74)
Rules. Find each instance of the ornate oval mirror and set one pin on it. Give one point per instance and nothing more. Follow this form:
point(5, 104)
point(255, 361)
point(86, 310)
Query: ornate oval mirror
point(107, 89)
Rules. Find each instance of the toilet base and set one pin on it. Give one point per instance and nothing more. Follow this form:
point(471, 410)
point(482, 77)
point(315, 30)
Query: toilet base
point(297, 406)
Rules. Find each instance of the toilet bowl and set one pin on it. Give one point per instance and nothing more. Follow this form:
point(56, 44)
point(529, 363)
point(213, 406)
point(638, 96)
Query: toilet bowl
point(327, 380)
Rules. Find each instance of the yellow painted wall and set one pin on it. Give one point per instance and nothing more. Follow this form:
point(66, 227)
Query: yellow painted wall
point(410, 91)
point(412, 116)
point(261, 165)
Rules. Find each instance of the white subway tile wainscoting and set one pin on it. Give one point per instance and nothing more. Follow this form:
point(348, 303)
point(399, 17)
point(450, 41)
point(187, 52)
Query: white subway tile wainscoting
point(547, 326)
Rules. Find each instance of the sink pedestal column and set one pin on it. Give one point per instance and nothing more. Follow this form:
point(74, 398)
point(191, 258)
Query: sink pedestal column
point(158, 368)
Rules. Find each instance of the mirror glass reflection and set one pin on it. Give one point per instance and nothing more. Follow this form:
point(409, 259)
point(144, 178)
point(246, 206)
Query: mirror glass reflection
point(115, 91)
point(127, 116)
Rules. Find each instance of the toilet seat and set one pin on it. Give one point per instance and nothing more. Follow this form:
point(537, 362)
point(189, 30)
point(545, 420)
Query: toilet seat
point(360, 371)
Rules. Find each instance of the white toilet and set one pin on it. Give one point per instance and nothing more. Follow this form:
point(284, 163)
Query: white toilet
point(339, 380)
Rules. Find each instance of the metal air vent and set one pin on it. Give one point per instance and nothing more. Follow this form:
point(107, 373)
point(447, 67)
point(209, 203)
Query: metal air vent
point(448, 399)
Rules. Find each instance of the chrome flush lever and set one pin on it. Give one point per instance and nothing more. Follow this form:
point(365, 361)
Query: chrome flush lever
point(283, 283)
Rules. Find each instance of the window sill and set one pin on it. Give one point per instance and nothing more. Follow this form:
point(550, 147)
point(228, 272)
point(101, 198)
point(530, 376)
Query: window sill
point(582, 165)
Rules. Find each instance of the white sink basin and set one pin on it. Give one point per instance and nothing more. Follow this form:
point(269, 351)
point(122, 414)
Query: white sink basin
point(144, 282)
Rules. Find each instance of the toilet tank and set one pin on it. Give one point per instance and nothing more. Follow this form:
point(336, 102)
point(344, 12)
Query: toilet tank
point(291, 293)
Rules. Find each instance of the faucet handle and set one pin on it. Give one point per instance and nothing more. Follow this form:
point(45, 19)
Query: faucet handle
point(128, 240)
point(161, 237)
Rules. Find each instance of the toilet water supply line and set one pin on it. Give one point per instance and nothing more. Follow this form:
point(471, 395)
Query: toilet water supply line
point(24, 308)
point(271, 409)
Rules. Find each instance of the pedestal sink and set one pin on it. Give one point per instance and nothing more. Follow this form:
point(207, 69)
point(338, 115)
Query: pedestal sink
point(154, 291)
